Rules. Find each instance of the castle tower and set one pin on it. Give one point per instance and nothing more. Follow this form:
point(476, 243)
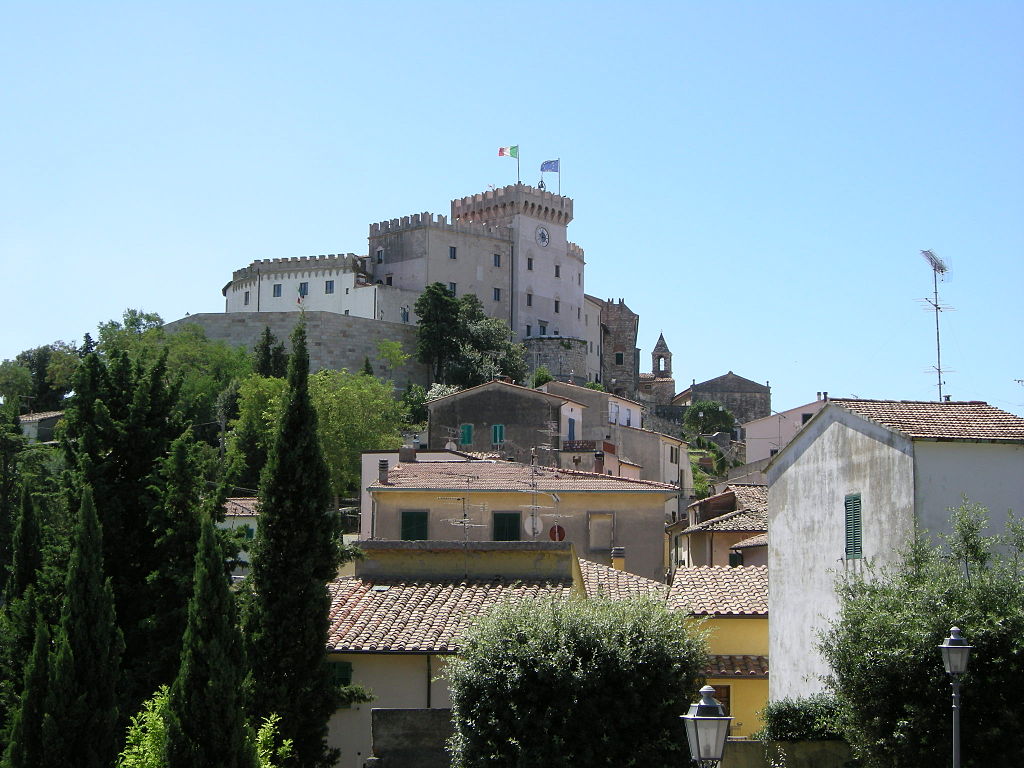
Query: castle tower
point(661, 360)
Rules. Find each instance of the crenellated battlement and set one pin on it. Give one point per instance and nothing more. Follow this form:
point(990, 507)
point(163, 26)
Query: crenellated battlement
point(575, 251)
point(500, 205)
point(427, 219)
point(347, 262)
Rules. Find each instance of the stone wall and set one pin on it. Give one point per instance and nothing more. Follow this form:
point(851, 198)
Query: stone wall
point(565, 358)
point(792, 754)
point(620, 325)
point(410, 738)
point(335, 341)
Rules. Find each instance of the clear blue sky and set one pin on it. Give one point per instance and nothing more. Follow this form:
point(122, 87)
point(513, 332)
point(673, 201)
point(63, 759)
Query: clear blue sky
point(755, 179)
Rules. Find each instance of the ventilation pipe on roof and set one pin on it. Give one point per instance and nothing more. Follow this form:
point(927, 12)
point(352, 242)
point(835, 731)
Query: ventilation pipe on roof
point(619, 558)
point(382, 471)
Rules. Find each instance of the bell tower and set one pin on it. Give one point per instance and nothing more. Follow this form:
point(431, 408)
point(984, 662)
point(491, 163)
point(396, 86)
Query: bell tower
point(661, 359)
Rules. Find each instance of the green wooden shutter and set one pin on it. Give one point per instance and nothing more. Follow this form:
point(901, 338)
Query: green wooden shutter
point(506, 526)
point(854, 548)
point(341, 675)
point(414, 524)
point(466, 434)
point(497, 434)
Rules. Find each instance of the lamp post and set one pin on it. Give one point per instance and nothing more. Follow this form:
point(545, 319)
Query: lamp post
point(955, 654)
point(706, 729)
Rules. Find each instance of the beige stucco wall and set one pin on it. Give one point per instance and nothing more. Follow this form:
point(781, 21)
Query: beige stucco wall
point(764, 437)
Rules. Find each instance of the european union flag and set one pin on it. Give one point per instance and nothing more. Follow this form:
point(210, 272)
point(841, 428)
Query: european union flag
point(549, 165)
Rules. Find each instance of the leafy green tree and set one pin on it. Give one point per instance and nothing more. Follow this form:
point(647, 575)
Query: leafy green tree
point(392, 353)
point(25, 745)
point(563, 683)
point(595, 385)
point(269, 357)
point(15, 384)
point(260, 401)
point(541, 376)
point(887, 674)
point(367, 367)
point(80, 723)
point(295, 553)
point(707, 417)
point(414, 402)
point(12, 443)
point(52, 369)
point(439, 333)
point(486, 350)
point(205, 723)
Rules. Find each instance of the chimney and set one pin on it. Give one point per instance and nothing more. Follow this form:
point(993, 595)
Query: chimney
point(619, 558)
point(599, 462)
point(407, 454)
point(382, 471)
point(819, 396)
point(824, 396)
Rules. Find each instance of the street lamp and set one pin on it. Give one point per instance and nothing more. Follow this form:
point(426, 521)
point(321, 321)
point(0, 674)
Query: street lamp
point(706, 729)
point(955, 654)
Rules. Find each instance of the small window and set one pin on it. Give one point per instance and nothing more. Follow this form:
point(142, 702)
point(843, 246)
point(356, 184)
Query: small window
point(529, 263)
point(414, 524)
point(245, 299)
point(346, 311)
point(542, 330)
point(601, 530)
point(529, 299)
point(497, 259)
point(854, 543)
point(466, 434)
point(618, 358)
point(329, 286)
point(529, 330)
point(506, 526)
point(346, 291)
point(722, 696)
point(558, 270)
point(388, 279)
point(579, 278)
point(405, 314)
point(558, 306)
point(629, 417)
point(578, 313)
point(341, 676)
point(497, 294)
point(380, 255)
point(735, 559)
point(451, 288)
point(250, 533)
point(571, 435)
point(497, 434)
point(452, 252)
point(591, 346)
point(277, 290)
point(303, 289)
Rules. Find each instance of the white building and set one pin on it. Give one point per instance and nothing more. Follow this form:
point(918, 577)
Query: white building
point(767, 436)
point(851, 487)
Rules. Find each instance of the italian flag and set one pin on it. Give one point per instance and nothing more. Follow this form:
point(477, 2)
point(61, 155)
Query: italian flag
point(509, 151)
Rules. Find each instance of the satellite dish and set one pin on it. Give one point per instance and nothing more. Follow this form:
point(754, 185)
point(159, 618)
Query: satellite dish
point(533, 525)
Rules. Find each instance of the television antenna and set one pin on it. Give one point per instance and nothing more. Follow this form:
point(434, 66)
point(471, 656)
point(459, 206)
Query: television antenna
point(939, 267)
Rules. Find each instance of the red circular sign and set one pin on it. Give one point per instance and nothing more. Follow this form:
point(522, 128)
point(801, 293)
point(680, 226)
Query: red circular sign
point(557, 533)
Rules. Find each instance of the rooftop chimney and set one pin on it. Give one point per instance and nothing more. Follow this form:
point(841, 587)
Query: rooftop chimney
point(619, 558)
point(382, 471)
point(599, 462)
point(407, 454)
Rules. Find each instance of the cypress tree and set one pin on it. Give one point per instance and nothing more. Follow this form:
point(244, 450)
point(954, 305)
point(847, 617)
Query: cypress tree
point(205, 723)
point(26, 550)
point(25, 746)
point(11, 444)
point(261, 353)
point(294, 555)
point(367, 367)
point(80, 726)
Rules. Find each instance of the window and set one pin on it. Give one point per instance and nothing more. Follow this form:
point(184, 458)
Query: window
point(388, 279)
point(618, 358)
point(578, 313)
point(722, 696)
point(601, 529)
point(346, 311)
point(542, 329)
point(245, 299)
point(497, 434)
point(466, 434)
point(341, 675)
point(735, 559)
point(579, 278)
point(571, 435)
point(529, 299)
point(629, 417)
point(452, 252)
point(506, 526)
point(854, 549)
point(558, 270)
point(591, 346)
point(346, 291)
point(380, 255)
point(415, 524)
point(529, 329)
point(673, 455)
point(303, 289)
point(497, 294)
point(451, 288)
point(497, 259)
point(529, 263)
point(329, 286)
point(558, 306)
point(405, 314)
point(250, 532)
point(277, 290)
point(613, 413)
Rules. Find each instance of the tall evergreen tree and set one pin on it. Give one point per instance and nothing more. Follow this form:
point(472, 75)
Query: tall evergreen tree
point(25, 745)
point(26, 551)
point(11, 444)
point(80, 726)
point(294, 555)
point(269, 358)
point(205, 721)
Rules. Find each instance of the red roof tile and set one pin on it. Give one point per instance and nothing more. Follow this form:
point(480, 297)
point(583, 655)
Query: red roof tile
point(717, 590)
point(604, 580)
point(972, 420)
point(242, 506)
point(760, 540)
point(755, 667)
point(740, 520)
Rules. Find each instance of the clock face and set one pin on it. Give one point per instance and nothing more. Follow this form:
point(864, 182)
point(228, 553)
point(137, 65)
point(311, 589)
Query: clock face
point(543, 238)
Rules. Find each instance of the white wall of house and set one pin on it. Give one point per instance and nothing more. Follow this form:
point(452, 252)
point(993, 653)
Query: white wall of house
point(838, 454)
point(592, 333)
point(766, 437)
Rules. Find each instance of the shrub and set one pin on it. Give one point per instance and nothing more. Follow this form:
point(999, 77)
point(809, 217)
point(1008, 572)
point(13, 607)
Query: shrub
point(810, 718)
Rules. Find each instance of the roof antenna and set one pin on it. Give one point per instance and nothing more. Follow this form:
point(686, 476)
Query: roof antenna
point(938, 268)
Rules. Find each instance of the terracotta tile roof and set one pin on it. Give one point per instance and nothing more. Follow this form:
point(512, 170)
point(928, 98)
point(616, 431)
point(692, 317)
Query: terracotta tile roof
point(752, 497)
point(755, 667)
point(28, 418)
point(508, 476)
point(514, 387)
point(760, 540)
point(740, 520)
point(389, 615)
point(242, 506)
point(974, 420)
point(604, 580)
point(717, 590)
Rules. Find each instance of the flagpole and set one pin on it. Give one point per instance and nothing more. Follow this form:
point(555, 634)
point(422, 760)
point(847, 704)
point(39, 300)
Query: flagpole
point(559, 177)
point(517, 166)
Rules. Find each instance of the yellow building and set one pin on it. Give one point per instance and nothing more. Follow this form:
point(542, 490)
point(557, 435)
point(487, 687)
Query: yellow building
point(734, 604)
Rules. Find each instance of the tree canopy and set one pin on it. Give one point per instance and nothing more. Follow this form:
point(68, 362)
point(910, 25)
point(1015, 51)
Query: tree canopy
point(892, 690)
point(563, 683)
